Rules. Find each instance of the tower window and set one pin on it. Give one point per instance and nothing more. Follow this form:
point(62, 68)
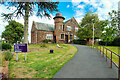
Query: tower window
point(62, 36)
point(61, 27)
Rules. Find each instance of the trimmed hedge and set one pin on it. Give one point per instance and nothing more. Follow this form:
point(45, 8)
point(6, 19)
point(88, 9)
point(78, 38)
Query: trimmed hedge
point(78, 41)
point(6, 46)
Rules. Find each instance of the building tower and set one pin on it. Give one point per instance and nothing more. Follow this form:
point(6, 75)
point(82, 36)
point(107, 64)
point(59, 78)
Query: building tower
point(59, 28)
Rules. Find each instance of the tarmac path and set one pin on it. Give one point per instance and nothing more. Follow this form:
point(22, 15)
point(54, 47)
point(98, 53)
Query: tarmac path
point(87, 63)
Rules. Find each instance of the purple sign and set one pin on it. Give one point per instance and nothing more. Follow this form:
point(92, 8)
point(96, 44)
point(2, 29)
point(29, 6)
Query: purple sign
point(20, 48)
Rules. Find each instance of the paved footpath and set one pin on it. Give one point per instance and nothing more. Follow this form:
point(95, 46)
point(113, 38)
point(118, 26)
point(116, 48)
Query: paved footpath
point(87, 63)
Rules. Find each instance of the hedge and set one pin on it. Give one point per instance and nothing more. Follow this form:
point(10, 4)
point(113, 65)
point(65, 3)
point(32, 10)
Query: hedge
point(78, 41)
point(6, 46)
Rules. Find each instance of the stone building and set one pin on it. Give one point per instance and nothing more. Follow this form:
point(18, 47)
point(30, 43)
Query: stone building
point(60, 32)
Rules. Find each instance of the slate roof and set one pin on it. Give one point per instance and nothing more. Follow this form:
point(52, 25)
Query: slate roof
point(44, 26)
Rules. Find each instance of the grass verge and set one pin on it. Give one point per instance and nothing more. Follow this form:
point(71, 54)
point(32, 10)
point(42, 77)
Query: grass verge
point(40, 63)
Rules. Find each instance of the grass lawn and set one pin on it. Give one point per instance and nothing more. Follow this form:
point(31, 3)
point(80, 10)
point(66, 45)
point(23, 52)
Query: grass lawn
point(40, 64)
point(115, 49)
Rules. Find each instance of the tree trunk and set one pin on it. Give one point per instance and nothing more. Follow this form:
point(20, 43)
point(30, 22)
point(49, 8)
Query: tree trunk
point(26, 19)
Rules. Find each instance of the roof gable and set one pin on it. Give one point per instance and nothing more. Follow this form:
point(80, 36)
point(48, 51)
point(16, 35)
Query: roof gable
point(70, 20)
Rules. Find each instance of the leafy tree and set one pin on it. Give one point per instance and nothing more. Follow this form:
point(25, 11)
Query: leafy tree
point(110, 31)
point(86, 26)
point(114, 21)
point(26, 9)
point(13, 32)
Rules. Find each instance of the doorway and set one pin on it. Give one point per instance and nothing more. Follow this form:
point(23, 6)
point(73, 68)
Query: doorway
point(66, 38)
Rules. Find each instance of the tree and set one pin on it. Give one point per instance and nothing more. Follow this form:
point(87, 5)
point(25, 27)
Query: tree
point(13, 32)
point(27, 9)
point(86, 26)
point(114, 21)
point(111, 29)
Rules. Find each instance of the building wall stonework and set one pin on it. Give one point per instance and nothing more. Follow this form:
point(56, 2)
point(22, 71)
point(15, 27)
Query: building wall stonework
point(42, 35)
point(38, 35)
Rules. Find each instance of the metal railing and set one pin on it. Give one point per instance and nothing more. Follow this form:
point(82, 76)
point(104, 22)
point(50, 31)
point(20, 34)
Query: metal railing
point(110, 57)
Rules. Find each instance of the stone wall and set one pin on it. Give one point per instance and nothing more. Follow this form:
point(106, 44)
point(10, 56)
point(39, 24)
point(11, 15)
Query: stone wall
point(41, 35)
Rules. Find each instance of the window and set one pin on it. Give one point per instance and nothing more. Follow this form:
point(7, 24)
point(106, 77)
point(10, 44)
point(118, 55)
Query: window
point(69, 28)
point(61, 27)
point(70, 37)
point(49, 36)
point(62, 36)
point(76, 29)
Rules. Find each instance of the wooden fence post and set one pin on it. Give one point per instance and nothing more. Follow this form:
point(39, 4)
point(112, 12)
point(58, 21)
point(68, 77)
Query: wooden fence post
point(106, 54)
point(111, 60)
point(119, 69)
point(100, 49)
point(103, 51)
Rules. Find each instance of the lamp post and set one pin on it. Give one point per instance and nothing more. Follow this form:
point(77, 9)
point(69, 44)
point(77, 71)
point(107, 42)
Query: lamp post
point(93, 35)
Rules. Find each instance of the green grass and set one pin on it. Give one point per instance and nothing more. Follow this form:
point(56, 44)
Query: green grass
point(112, 48)
point(40, 63)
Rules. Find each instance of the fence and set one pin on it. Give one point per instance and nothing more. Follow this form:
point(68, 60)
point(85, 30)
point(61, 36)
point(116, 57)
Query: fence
point(108, 54)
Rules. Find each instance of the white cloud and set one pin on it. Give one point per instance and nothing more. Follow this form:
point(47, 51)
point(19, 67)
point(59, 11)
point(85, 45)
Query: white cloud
point(68, 6)
point(102, 6)
point(80, 6)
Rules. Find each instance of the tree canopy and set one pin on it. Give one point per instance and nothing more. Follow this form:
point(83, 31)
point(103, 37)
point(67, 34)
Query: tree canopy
point(13, 32)
point(86, 26)
point(27, 9)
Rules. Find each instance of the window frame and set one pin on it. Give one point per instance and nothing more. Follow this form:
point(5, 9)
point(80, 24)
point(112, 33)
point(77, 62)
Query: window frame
point(49, 36)
point(61, 36)
point(69, 28)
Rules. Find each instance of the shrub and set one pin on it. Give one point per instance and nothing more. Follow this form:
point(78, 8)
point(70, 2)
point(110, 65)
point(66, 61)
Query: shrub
point(7, 56)
point(78, 41)
point(46, 40)
point(116, 42)
point(6, 46)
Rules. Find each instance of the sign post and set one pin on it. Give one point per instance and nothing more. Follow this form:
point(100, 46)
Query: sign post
point(20, 48)
point(16, 57)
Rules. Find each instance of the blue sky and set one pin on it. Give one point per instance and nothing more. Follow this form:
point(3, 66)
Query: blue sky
point(69, 9)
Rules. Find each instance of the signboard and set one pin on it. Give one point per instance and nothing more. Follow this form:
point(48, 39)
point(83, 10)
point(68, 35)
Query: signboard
point(20, 48)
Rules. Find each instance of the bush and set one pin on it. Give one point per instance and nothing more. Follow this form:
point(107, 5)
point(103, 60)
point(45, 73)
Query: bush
point(78, 41)
point(46, 40)
point(6, 46)
point(8, 56)
point(101, 43)
point(116, 42)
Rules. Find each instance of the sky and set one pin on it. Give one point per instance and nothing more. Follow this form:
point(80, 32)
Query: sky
point(69, 9)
